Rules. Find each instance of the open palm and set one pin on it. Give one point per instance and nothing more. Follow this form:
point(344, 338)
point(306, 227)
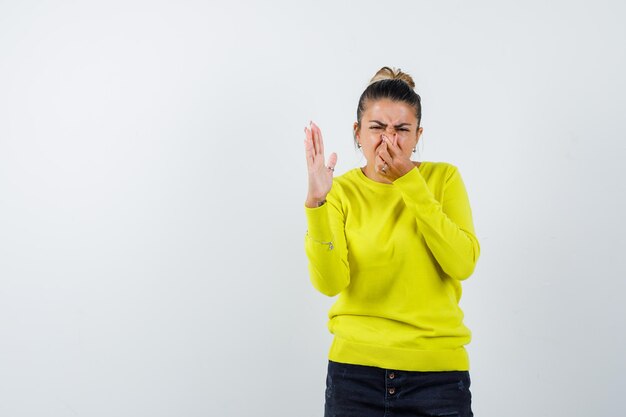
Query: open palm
point(320, 175)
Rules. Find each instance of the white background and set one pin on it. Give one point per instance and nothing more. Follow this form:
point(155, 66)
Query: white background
point(152, 186)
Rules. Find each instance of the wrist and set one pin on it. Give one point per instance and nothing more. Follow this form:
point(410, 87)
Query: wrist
point(406, 169)
point(314, 202)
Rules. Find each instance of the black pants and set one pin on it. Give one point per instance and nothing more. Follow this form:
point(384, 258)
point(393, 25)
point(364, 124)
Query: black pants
point(366, 391)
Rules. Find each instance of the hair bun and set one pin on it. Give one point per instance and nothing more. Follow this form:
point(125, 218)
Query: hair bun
point(387, 73)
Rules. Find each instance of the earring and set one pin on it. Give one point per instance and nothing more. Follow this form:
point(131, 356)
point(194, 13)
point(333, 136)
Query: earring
point(413, 150)
point(359, 146)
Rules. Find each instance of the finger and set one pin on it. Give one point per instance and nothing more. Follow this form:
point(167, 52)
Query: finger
point(318, 140)
point(383, 138)
point(379, 164)
point(308, 135)
point(383, 151)
point(385, 156)
point(308, 148)
point(308, 139)
point(332, 160)
point(321, 140)
point(316, 146)
point(381, 144)
point(389, 145)
point(392, 147)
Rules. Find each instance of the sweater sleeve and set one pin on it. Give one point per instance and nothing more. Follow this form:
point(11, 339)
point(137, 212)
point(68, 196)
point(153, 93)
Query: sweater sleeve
point(447, 227)
point(325, 247)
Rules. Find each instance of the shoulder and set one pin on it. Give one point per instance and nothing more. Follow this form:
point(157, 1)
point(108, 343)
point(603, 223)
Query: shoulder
point(346, 179)
point(439, 166)
point(347, 176)
point(440, 170)
point(343, 186)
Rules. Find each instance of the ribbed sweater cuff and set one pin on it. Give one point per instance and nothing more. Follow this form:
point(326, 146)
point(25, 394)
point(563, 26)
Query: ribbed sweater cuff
point(317, 222)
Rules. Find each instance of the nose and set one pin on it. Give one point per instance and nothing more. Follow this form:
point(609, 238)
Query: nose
point(390, 131)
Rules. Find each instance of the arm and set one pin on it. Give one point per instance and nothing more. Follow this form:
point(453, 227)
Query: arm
point(447, 227)
point(325, 247)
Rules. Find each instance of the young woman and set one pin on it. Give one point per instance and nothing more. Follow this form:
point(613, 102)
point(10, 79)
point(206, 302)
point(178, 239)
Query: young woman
point(394, 239)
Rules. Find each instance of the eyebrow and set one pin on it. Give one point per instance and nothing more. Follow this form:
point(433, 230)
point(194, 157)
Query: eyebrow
point(381, 123)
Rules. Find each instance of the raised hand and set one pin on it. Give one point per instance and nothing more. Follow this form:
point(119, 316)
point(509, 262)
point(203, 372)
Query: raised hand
point(320, 174)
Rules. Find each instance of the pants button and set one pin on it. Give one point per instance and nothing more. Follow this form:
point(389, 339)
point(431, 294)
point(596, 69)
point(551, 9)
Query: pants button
point(392, 375)
point(392, 391)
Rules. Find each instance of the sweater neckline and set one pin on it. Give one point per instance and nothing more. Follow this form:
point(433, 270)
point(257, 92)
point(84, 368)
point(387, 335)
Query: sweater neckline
point(377, 184)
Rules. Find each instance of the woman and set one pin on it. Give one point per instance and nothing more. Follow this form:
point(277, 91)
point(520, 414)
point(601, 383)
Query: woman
point(394, 239)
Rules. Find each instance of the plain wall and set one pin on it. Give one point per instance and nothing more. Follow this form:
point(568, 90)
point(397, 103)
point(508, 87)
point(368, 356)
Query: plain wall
point(152, 186)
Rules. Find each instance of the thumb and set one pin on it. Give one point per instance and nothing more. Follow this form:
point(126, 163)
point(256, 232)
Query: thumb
point(332, 160)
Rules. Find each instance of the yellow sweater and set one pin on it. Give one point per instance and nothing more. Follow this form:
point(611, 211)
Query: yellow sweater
point(397, 255)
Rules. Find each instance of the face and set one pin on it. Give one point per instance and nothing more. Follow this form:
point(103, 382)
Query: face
point(387, 117)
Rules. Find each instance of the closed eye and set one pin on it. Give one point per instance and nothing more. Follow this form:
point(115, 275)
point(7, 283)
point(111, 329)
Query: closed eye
point(380, 127)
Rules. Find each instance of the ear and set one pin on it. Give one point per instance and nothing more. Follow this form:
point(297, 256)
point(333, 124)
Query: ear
point(419, 134)
point(355, 133)
point(355, 129)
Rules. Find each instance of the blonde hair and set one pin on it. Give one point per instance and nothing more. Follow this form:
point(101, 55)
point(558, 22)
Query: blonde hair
point(392, 73)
